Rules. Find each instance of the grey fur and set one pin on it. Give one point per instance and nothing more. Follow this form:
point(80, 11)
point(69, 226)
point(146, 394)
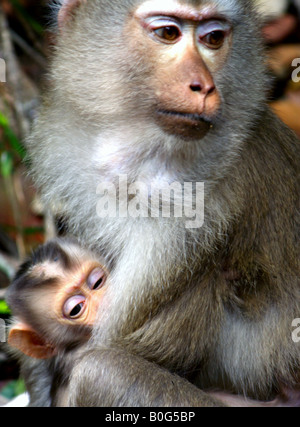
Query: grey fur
point(169, 302)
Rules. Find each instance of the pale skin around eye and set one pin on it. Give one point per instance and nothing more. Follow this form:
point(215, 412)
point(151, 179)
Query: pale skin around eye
point(210, 33)
point(75, 306)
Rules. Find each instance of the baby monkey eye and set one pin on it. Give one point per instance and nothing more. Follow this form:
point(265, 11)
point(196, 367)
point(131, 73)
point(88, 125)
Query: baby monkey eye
point(76, 310)
point(96, 279)
point(74, 307)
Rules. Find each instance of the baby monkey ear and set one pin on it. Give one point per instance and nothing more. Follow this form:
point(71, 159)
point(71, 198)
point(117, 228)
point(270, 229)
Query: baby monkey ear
point(25, 339)
point(66, 11)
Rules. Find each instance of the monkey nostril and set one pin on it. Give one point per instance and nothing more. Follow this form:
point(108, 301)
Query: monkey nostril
point(196, 87)
point(211, 90)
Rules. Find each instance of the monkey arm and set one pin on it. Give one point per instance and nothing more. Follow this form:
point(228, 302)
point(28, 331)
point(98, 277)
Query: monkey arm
point(115, 378)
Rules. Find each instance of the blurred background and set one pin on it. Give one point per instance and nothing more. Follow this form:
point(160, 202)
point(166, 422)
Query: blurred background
point(25, 46)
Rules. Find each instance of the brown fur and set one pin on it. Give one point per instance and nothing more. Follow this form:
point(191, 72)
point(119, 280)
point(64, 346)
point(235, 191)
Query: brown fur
point(213, 305)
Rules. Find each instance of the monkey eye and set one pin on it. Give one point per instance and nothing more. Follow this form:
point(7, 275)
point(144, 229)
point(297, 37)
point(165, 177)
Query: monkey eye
point(74, 307)
point(166, 30)
point(168, 34)
point(96, 279)
point(214, 40)
point(213, 34)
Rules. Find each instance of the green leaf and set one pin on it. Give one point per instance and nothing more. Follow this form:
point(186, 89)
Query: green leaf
point(3, 121)
point(4, 309)
point(13, 389)
point(20, 387)
point(10, 135)
point(33, 230)
point(15, 143)
point(6, 164)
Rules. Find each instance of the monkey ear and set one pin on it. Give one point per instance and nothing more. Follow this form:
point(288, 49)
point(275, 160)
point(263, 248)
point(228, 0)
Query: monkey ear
point(25, 339)
point(66, 11)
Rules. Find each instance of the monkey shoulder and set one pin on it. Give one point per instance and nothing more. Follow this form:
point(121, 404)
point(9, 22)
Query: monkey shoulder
point(273, 147)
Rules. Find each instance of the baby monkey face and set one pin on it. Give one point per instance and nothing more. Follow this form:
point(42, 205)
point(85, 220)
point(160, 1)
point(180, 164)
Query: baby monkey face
point(86, 303)
point(56, 298)
point(74, 295)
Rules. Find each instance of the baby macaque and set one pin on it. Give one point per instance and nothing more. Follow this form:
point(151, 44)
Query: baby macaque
point(55, 298)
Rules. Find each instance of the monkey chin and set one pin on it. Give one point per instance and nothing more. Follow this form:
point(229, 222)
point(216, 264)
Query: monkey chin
point(190, 126)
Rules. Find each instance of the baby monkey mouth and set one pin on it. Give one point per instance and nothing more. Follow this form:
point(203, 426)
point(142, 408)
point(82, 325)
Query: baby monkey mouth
point(185, 124)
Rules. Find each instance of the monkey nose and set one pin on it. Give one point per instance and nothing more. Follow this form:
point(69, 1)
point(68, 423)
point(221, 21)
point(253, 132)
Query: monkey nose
point(203, 89)
point(196, 87)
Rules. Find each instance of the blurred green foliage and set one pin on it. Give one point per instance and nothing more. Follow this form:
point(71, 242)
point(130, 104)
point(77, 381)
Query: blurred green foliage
point(4, 309)
point(13, 389)
point(10, 142)
point(23, 12)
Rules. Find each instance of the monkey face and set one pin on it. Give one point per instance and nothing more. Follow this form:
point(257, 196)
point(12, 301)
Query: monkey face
point(74, 297)
point(56, 298)
point(188, 48)
point(82, 307)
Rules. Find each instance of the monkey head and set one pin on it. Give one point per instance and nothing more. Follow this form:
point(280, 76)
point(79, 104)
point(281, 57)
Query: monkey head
point(188, 48)
point(144, 88)
point(55, 302)
point(160, 60)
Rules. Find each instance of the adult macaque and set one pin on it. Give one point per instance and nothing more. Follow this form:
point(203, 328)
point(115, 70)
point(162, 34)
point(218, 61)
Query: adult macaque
point(162, 92)
point(55, 297)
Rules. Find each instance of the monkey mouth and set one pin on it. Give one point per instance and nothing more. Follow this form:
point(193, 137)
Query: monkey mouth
point(189, 117)
point(185, 124)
